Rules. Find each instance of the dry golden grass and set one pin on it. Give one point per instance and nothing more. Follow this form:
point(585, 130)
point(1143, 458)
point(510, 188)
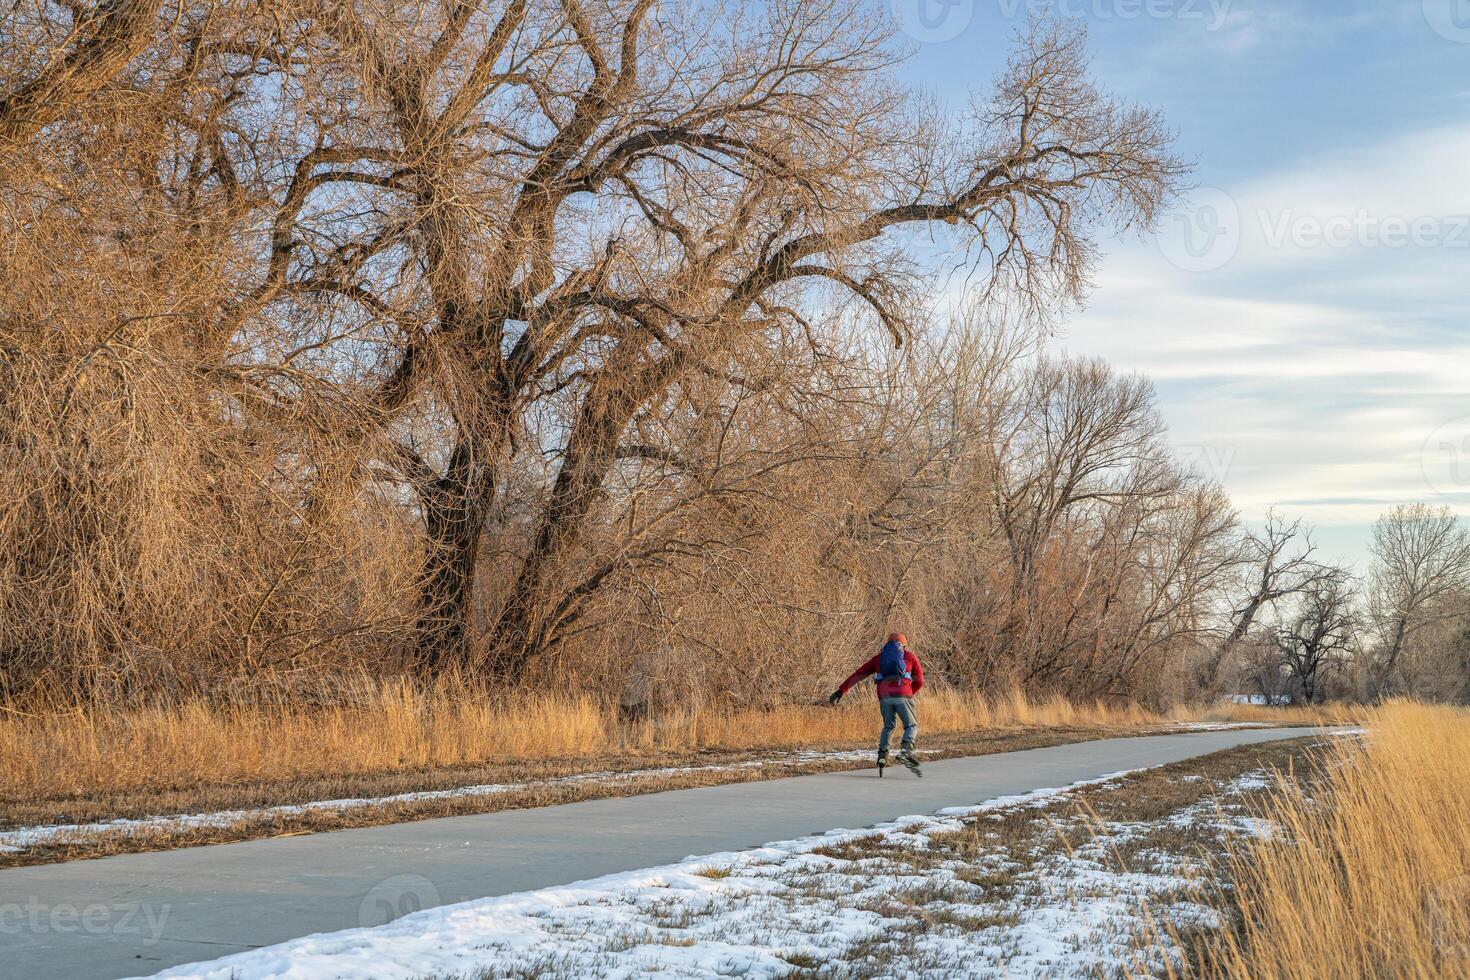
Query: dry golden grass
point(386, 727)
point(1317, 714)
point(1370, 879)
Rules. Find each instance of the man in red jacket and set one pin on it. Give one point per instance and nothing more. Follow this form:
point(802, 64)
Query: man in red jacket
point(900, 676)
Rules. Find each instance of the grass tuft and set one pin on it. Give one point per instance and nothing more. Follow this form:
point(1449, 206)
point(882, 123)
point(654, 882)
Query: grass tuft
point(714, 874)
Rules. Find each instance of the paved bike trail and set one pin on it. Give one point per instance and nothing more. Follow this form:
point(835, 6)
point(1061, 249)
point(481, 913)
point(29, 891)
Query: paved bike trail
point(137, 913)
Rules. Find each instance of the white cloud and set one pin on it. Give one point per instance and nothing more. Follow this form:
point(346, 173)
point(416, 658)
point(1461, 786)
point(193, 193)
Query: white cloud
point(1322, 366)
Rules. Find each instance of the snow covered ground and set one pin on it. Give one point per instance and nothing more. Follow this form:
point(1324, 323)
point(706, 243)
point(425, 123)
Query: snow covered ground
point(1221, 726)
point(923, 896)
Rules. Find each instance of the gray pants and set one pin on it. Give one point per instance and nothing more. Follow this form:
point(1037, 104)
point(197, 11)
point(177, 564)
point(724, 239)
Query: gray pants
point(895, 709)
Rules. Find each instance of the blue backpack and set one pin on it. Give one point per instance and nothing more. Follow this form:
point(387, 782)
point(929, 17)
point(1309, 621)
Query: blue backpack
point(892, 664)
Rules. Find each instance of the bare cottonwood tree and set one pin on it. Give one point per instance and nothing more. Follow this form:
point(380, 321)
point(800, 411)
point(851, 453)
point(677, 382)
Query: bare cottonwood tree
point(1098, 556)
point(1421, 555)
point(85, 47)
point(608, 200)
point(1079, 441)
point(434, 334)
point(1274, 564)
point(1319, 634)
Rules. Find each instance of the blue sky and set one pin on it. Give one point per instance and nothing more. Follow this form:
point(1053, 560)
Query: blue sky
point(1305, 313)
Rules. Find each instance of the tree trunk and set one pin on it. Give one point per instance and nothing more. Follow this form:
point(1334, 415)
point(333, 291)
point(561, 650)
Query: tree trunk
point(1395, 647)
point(1208, 678)
point(528, 623)
point(454, 520)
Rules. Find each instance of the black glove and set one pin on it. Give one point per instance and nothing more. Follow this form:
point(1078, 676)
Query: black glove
point(835, 697)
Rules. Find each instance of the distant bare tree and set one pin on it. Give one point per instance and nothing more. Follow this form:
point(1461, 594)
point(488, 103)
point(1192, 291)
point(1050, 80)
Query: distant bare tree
point(1276, 563)
point(1107, 552)
point(1080, 434)
point(1421, 557)
point(1318, 636)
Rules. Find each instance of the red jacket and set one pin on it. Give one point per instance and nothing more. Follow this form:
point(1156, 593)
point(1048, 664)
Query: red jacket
point(895, 688)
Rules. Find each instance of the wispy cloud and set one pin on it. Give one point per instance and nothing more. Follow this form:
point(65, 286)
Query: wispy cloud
point(1328, 348)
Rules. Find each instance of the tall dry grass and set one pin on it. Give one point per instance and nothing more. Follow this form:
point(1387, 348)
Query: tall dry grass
point(1316, 714)
point(1372, 877)
point(389, 726)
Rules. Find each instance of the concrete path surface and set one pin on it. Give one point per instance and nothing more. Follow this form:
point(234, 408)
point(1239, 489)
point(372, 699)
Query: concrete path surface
point(136, 913)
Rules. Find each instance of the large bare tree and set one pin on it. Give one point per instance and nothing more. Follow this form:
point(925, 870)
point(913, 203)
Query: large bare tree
point(445, 335)
point(603, 201)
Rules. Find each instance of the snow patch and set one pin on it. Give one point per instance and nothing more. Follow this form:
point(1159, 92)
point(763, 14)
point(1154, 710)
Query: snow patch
point(1221, 726)
point(766, 910)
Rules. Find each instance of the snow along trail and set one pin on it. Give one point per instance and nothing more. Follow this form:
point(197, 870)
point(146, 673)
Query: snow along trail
point(20, 839)
point(758, 913)
point(23, 838)
point(1221, 726)
point(151, 911)
point(565, 930)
